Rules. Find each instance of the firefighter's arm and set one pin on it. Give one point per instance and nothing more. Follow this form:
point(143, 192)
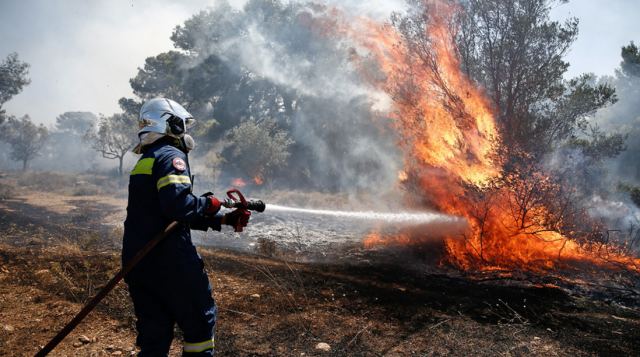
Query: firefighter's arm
point(212, 218)
point(176, 199)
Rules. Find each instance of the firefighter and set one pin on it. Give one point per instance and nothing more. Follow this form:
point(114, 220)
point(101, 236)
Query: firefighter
point(169, 286)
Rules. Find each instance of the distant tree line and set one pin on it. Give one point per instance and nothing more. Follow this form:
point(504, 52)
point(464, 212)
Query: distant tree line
point(25, 138)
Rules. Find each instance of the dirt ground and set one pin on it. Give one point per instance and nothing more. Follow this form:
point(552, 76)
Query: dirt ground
point(55, 254)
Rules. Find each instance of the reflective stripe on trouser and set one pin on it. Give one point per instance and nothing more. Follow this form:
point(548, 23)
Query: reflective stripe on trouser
point(197, 347)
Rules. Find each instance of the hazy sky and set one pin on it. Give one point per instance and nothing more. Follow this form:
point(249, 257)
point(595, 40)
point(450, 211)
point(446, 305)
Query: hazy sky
point(83, 53)
point(605, 26)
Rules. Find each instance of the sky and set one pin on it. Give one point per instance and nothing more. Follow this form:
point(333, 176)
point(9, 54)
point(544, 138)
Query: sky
point(605, 26)
point(83, 53)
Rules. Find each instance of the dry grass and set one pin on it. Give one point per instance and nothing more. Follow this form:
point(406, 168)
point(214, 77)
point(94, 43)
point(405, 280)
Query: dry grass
point(73, 184)
point(50, 263)
point(7, 191)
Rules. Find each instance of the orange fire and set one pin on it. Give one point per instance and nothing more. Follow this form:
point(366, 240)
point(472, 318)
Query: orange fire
point(375, 239)
point(238, 182)
point(449, 138)
point(258, 180)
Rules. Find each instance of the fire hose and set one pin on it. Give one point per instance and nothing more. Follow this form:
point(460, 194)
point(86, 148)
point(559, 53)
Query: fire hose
point(235, 200)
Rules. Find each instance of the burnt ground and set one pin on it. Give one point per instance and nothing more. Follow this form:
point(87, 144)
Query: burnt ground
point(51, 262)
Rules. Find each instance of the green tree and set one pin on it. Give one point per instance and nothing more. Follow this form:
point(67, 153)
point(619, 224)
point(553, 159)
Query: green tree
point(630, 65)
point(113, 137)
point(130, 106)
point(624, 116)
point(25, 138)
point(162, 75)
point(269, 61)
point(259, 148)
point(13, 77)
point(75, 123)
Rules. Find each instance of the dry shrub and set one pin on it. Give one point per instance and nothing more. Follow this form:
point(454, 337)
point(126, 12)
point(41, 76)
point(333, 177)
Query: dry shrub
point(86, 189)
point(266, 247)
point(7, 191)
point(75, 184)
point(45, 181)
point(106, 184)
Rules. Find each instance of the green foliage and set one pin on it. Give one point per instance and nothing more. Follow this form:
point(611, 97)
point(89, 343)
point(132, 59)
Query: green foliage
point(599, 145)
point(129, 106)
point(624, 116)
point(632, 191)
point(13, 77)
point(26, 139)
point(162, 75)
point(259, 148)
point(209, 81)
point(516, 52)
point(75, 123)
point(224, 87)
point(630, 65)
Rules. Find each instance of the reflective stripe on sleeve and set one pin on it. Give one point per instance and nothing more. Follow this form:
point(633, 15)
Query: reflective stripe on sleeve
point(173, 179)
point(143, 167)
point(198, 346)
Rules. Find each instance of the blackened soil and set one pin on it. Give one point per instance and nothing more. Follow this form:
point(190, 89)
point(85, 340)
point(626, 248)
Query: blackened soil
point(50, 264)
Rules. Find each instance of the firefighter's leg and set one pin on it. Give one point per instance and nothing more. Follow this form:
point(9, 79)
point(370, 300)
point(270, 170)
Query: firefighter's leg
point(195, 312)
point(154, 322)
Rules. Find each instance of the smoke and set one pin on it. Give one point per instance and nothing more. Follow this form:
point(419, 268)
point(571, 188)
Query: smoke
point(616, 208)
point(604, 186)
point(339, 120)
point(624, 117)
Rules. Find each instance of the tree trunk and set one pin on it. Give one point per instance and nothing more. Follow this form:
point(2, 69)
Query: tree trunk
point(120, 165)
point(24, 165)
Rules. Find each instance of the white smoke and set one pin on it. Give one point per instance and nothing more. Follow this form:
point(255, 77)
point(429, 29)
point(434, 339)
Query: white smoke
point(318, 68)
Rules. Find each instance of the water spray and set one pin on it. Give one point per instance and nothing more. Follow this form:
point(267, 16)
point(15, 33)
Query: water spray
point(389, 217)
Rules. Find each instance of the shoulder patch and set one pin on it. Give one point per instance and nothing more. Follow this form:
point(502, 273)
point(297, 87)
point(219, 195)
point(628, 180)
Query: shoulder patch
point(179, 164)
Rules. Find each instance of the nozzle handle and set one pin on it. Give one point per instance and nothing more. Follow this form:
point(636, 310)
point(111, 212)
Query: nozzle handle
point(239, 198)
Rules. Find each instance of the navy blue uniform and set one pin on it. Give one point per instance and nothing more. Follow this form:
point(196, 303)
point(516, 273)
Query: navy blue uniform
point(170, 284)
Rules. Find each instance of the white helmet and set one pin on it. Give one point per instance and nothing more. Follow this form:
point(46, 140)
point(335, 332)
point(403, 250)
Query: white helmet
point(164, 116)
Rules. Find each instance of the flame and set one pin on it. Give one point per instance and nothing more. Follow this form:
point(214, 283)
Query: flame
point(238, 182)
point(445, 121)
point(449, 136)
point(258, 180)
point(375, 239)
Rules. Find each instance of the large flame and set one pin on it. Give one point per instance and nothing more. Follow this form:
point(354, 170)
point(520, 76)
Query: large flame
point(449, 135)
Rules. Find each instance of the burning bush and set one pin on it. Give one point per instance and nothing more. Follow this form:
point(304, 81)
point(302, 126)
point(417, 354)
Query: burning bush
point(468, 153)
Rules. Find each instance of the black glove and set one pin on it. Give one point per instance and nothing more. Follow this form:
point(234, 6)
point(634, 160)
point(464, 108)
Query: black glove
point(238, 219)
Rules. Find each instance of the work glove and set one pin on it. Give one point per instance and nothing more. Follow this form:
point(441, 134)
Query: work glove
point(213, 205)
point(238, 219)
point(211, 217)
